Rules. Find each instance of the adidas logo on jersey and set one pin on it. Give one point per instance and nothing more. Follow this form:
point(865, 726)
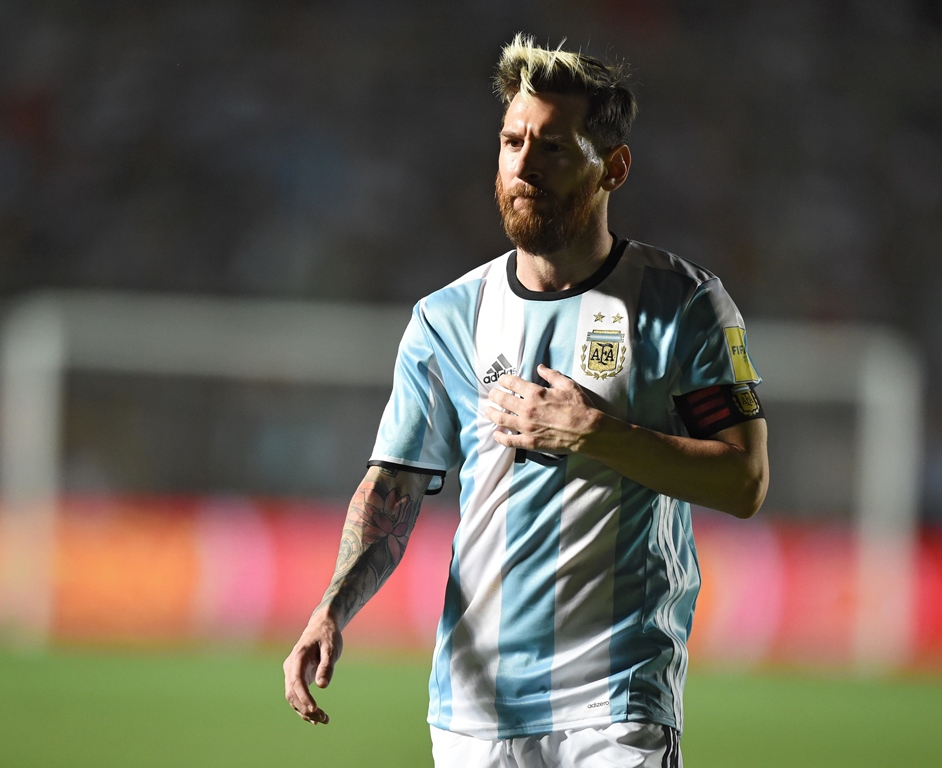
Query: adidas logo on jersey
point(500, 366)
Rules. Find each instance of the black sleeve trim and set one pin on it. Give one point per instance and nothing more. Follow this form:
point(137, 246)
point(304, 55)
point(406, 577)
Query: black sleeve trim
point(546, 459)
point(430, 491)
point(707, 411)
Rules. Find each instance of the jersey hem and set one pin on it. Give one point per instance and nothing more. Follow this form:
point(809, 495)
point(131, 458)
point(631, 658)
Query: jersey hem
point(541, 729)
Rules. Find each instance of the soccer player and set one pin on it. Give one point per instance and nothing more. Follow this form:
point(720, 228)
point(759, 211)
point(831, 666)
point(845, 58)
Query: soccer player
point(587, 389)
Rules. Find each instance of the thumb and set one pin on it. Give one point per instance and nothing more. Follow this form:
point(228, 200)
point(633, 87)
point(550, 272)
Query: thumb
point(325, 671)
point(330, 652)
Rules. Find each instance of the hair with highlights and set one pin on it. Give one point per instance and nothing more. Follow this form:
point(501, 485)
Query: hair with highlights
point(526, 68)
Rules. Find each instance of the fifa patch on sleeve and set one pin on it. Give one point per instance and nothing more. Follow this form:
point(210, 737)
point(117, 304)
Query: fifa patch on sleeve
point(742, 365)
point(707, 411)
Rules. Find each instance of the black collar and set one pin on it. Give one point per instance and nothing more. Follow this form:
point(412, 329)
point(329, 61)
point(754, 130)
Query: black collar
point(618, 248)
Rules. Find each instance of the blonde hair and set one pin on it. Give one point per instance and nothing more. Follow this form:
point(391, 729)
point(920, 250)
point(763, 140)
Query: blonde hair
point(526, 68)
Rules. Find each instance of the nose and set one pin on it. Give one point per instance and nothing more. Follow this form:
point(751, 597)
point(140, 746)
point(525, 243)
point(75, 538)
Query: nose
point(528, 165)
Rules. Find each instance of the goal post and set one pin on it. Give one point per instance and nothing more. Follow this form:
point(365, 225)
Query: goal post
point(42, 337)
point(881, 374)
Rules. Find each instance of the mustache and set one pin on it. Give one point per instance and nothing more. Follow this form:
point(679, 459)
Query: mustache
point(526, 191)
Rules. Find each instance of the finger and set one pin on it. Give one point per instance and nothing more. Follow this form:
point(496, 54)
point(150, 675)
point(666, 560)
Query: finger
point(298, 696)
point(551, 376)
point(318, 715)
point(304, 704)
point(502, 399)
point(325, 670)
point(296, 689)
point(314, 716)
point(503, 419)
point(516, 385)
point(508, 439)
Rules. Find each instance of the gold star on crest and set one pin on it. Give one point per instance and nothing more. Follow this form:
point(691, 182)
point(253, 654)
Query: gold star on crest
point(599, 317)
point(617, 318)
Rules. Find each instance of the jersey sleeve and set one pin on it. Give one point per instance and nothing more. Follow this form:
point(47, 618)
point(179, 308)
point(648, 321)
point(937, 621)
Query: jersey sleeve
point(418, 430)
point(716, 385)
point(712, 347)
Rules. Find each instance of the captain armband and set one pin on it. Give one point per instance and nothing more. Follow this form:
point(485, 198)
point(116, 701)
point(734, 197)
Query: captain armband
point(707, 411)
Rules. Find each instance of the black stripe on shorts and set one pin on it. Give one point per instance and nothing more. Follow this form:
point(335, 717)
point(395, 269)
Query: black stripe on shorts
point(672, 748)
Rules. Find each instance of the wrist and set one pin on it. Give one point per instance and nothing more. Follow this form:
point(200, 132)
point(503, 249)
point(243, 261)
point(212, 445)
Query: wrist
point(598, 438)
point(330, 611)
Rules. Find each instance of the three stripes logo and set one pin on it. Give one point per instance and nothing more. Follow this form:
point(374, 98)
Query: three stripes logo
point(500, 366)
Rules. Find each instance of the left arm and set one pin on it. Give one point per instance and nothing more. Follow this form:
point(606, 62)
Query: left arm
point(728, 472)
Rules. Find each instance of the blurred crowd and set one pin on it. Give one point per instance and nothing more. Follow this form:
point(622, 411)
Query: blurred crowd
point(346, 151)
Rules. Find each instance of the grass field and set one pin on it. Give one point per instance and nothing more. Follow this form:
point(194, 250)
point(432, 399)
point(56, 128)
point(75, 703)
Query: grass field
point(182, 709)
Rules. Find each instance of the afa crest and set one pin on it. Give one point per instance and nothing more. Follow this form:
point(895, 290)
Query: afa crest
point(603, 354)
point(746, 401)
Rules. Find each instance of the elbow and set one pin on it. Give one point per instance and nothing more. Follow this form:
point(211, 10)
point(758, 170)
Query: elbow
point(749, 471)
point(747, 507)
point(751, 494)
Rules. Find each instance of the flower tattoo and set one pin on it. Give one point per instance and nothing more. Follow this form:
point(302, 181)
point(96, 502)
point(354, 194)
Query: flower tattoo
point(379, 523)
point(385, 518)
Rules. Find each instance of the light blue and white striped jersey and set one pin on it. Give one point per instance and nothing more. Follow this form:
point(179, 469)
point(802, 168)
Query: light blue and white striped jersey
point(571, 589)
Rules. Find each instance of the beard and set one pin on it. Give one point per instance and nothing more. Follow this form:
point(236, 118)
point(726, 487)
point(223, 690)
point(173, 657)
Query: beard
point(558, 224)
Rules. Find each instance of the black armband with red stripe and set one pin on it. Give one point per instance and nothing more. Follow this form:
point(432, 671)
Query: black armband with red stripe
point(707, 411)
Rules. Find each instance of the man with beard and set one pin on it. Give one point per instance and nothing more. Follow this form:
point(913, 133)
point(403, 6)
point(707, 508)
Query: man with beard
point(587, 389)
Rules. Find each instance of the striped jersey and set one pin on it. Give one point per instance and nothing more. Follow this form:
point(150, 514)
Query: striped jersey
point(571, 589)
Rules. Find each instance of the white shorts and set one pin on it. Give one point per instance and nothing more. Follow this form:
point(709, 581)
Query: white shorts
point(621, 744)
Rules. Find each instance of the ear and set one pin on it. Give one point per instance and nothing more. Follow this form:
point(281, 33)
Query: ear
point(617, 163)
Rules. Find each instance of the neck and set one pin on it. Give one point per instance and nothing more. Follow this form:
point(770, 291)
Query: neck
point(565, 268)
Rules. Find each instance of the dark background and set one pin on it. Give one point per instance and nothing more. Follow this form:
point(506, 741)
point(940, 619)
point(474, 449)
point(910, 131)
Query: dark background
point(346, 151)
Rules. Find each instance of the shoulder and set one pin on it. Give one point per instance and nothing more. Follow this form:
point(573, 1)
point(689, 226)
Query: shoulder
point(651, 257)
point(661, 283)
point(462, 295)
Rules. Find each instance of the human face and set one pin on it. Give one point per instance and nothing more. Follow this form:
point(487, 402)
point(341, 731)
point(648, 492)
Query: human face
point(548, 181)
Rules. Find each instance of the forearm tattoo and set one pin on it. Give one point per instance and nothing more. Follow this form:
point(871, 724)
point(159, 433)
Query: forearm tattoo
point(379, 522)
